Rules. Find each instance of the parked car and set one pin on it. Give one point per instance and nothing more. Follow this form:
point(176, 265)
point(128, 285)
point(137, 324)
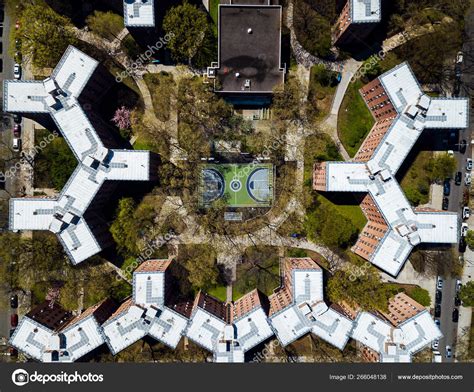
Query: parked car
point(17, 118)
point(448, 352)
point(445, 205)
point(435, 344)
point(457, 301)
point(17, 130)
point(438, 323)
point(439, 296)
point(451, 153)
point(14, 301)
point(439, 283)
point(16, 144)
point(13, 320)
point(466, 212)
point(467, 179)
point(469, 164)
point(462, 146)
point(17, 71)
point(13, 352)
point(437, 312)
point(462, 245)
point(455, 315)
point(458, 178)
point(458, 285)
point(12, 331)
point(464, 229)
point(447, 187)
point(459, 58)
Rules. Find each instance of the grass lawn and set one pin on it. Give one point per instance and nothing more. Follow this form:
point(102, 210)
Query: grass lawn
point(213, 11)
point(219, 292)
point(351, 212)
point(55, 163)
point(240, 185)
point(355, 120)
point(416, 181)
point(161, 87)
point(321, 92)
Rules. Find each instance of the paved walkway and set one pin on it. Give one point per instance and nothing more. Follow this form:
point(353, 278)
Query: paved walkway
point(329, 125)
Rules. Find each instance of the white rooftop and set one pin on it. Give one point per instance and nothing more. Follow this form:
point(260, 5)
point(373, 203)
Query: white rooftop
point(395, 344)
point(416, 111)
point(139, 13)
point(366, 11)
point(68, 345)
point(58, 96)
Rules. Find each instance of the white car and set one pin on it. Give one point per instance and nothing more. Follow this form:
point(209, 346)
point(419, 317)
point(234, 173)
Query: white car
point(468, 164)
point(17, 71)
point(466, 212)
point(467, 179)
point(450, 153)
point(464, 229)
point(448, 352)
point(439, 283)
point(459, 58)
point(458, 285)
point(16, 144)
point(435, 344)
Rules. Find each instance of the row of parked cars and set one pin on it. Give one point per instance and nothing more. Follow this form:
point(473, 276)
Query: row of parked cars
point(13, 322)
point(437, 312)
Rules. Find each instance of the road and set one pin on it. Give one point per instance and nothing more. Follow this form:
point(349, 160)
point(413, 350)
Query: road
point(465, 87)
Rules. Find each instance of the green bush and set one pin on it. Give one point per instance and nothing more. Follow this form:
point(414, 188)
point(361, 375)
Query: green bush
point(420, 295)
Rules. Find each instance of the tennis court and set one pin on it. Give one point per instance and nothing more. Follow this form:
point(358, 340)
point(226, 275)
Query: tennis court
point(242, 185)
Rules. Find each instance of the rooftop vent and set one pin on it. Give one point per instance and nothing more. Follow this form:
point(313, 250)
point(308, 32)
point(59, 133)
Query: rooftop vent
point(249, 30)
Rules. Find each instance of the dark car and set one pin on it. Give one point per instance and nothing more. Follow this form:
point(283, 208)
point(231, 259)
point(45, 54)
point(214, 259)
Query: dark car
point(455, 316)
point(12, 331)
point(17, 130)
point(439, 296)
point(17, 118)
point(458, 178)
point(13, 352)
point(462, 245)
point(462, 146)
point(437, 310)
point(447, 187)
point(445, 203)
point(14, 301)
point(13, 320)
point(457, 301)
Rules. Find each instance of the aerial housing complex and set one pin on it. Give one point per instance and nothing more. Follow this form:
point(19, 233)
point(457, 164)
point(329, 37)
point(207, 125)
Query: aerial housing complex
point(357, 19)
point(139, 13)
point(74, 216)
point(249, 50)
point(402, 111)
point(227, 330)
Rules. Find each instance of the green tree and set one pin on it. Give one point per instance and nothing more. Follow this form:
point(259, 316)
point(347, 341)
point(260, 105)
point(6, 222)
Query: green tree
point(466, 294)
point(470, 239)
point(324, 224)
point(44, 35)
point(312, 30)
point(106, 24)
point(288, 100)
point(200, 268)
point(362, 287)
point(442, 166)
point(132, 224)
point(421, 296)
point(189, 30)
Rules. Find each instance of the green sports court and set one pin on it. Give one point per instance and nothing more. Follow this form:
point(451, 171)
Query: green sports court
point(242, 185)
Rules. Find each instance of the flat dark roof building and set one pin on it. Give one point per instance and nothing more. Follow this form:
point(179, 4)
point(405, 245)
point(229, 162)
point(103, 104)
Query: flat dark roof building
point(249, 58)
